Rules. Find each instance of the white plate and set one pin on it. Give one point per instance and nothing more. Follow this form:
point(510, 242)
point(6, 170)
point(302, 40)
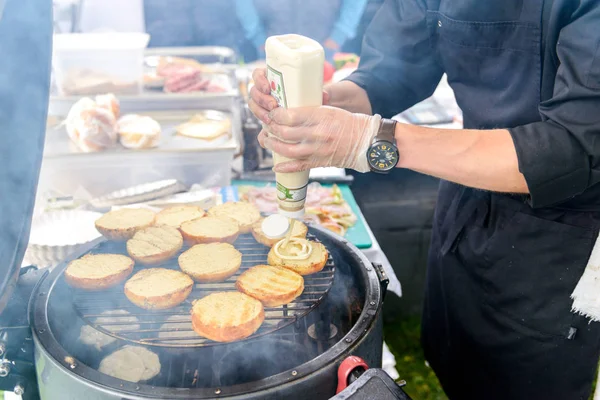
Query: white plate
point(55, 235)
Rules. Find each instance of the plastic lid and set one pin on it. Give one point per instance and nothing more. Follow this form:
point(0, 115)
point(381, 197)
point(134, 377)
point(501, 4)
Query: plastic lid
point(275, 226)
point(291, 214)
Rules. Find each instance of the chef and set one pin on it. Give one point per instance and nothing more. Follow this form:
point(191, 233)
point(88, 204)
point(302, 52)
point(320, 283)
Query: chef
point(519, 203)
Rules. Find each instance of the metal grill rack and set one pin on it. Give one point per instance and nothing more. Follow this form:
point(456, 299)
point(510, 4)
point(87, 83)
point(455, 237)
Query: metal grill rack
point(172, 327)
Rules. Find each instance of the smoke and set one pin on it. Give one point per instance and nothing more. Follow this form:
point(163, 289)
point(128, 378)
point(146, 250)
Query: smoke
point(251, 361)
point(348, 284)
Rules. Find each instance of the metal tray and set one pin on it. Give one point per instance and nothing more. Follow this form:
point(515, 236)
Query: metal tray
point(58, 143)
point(202, 54)
point(219, 58)
point(155, 101)
point(138, 194)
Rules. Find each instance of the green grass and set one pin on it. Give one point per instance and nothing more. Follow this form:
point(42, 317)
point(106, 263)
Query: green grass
point(402, 337)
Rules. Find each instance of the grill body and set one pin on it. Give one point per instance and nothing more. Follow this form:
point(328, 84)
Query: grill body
point(297, 361)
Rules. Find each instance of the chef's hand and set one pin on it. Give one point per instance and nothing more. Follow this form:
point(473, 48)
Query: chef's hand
point(319, 137)
point(261, 102)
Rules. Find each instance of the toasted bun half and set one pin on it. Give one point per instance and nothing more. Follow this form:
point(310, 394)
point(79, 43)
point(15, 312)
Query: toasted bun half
point(158, 288)
point(272, 286)
point(211, 262)
point(155, 244)
point(315, 263)
point(227, 316)
point(131, 363)
point(299, 230)
point(98, 271)
point(177, 215)
point(210, 229)
point(122, 224)
point(246, 214)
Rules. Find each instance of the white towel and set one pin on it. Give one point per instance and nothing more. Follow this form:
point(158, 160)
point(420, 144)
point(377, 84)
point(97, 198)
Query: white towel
point(586, 296)
point(389, 363)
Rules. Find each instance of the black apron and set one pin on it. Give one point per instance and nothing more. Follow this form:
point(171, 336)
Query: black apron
point(497, 322)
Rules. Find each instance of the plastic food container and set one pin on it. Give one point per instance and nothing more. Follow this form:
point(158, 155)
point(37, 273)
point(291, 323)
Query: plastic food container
point(94, 63)
point(207, 70)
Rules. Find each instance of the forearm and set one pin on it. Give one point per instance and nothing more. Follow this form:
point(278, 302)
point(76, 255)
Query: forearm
point(483, 159)
point(348, 96)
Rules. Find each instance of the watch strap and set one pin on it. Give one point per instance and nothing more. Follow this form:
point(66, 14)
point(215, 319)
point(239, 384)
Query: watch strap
point(387, 131)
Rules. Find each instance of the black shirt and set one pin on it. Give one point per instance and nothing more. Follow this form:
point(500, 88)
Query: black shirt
point(405, 52)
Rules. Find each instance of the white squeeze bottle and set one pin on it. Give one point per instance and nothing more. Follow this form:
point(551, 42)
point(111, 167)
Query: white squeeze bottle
point(295, 73)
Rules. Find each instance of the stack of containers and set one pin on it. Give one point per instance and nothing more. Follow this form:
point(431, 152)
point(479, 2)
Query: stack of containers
point(97, 63)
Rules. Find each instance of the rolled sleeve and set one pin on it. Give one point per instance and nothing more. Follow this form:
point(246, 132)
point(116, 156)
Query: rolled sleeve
point(398, 68)
point(560, 156)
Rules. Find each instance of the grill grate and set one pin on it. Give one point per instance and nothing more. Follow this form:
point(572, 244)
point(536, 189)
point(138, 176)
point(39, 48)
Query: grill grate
point(173, 328)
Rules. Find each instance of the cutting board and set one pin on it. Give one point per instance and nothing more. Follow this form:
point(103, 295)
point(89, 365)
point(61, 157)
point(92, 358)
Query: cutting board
point(358, 234)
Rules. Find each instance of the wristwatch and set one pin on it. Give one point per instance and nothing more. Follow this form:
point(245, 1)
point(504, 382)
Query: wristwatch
point(383, 154)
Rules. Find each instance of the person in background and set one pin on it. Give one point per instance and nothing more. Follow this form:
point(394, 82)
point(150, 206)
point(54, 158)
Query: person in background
point(330, 22)
point(175, 23)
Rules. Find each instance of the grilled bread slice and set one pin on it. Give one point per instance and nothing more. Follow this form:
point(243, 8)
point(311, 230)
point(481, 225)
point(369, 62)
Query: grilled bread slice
point(273, 286)
point(315, 263)
point(98, 271)
point(210, 230)
point(299, 230)
point(123, 364)
point(131, 363)
point(212, 262)
point(246, 214)
point(227, 316)
point(155, 244)
point(90, 336)
point(121, 225)
point(177, 215)
point(158, 288)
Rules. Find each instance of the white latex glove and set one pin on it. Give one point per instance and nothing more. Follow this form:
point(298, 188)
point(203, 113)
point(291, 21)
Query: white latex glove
point(319, 137)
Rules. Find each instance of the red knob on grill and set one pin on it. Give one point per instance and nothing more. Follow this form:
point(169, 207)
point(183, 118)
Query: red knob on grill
point(350, 369)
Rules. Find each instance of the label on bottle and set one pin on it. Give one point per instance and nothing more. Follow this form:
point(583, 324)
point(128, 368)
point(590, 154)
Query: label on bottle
point(291, 195)
point(275, 79)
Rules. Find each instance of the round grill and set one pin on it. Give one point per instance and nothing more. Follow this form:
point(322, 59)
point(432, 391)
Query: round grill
point(289, 363)
point(173, 328)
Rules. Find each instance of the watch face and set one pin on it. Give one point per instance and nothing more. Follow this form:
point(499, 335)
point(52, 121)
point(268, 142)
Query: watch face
point(382, 156)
